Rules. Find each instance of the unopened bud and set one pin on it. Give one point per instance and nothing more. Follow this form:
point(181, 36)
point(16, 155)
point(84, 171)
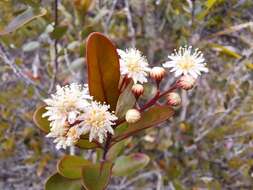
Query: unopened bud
point(157, 73)
point(137, 90)
point(133, 115)
point(173, 99)
point(186, 82)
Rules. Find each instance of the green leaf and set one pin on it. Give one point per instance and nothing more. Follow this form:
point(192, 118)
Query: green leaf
point(128, 165)
point(96, 176)
point(226, 50)
point(58, 32)
point(22, 19)
point(125, 102)
point(58, 182)
point(117, 149)
point(86, 144)
point(103, 69)
point(71, 166)
point(153, 116)
point(209, 4)
point(40, 121)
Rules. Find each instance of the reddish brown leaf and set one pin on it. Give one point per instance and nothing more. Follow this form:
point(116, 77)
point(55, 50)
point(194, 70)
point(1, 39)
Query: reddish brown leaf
point(103, 69)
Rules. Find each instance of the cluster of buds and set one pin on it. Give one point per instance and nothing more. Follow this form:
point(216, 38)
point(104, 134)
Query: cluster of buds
point(186, 63)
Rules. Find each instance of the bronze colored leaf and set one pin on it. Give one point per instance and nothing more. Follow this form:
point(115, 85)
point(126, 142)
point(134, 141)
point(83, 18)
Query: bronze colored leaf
point(149, 118)
point(103, 69)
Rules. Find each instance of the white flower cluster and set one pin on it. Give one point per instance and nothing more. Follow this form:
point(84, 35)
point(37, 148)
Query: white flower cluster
point(184, 61)
point(72, 113)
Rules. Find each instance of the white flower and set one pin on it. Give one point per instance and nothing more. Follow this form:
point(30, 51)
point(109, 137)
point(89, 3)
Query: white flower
point(134, 65)
point(63, 109)
point(97, 120)
point(186, 61)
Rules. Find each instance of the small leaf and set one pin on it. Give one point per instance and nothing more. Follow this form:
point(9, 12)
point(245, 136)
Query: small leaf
point(96, 176)
point(117, 149)
point(125, 102)
point(153, 116)
point(103, 69)
point(40, 121)
point(83, 5)
point(58, 182)
point(31, 46)
point(128, 165)
point(209, 4)
point(23, 19)
point(71, 166)
point(86, 144)
point(226, 50)
point(58, 32)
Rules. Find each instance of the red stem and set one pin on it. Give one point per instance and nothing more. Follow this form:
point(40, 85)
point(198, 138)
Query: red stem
point(122, 83)
point(147, 105)
point(157, 97)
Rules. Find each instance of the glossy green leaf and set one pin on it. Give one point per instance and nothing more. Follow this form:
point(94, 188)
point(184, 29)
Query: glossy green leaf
point(125, 102)
point(71, 166)
point(58, 182)
point(40, 121)
point(96, 176)
point(151, 117)
point(86, 144)
point(22, 19)
point(103, 69)
point(58, 32)
point(128, 165)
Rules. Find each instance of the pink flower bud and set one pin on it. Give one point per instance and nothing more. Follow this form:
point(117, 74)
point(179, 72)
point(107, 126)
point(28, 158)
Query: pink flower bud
point(137, 90)
point(157, 73)
point(186, 82)
point(173, 99)
point(133, 115)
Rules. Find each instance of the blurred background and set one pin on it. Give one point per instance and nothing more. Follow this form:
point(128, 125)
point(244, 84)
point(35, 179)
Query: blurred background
point(207, 145)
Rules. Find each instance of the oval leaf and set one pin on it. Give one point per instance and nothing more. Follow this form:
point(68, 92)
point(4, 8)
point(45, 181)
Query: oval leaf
point(153, 116)
point(57, 182)
point(40, 121)
point(103, 69)
point(86, 144)
point(117, 149)
point(71, 166)
point(59, 32)
point(96, 176)
point(23, 19)
point(128, 165)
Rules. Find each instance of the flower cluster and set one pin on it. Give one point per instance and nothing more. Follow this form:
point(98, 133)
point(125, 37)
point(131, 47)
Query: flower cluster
point(186, 63)
point(72, 113)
